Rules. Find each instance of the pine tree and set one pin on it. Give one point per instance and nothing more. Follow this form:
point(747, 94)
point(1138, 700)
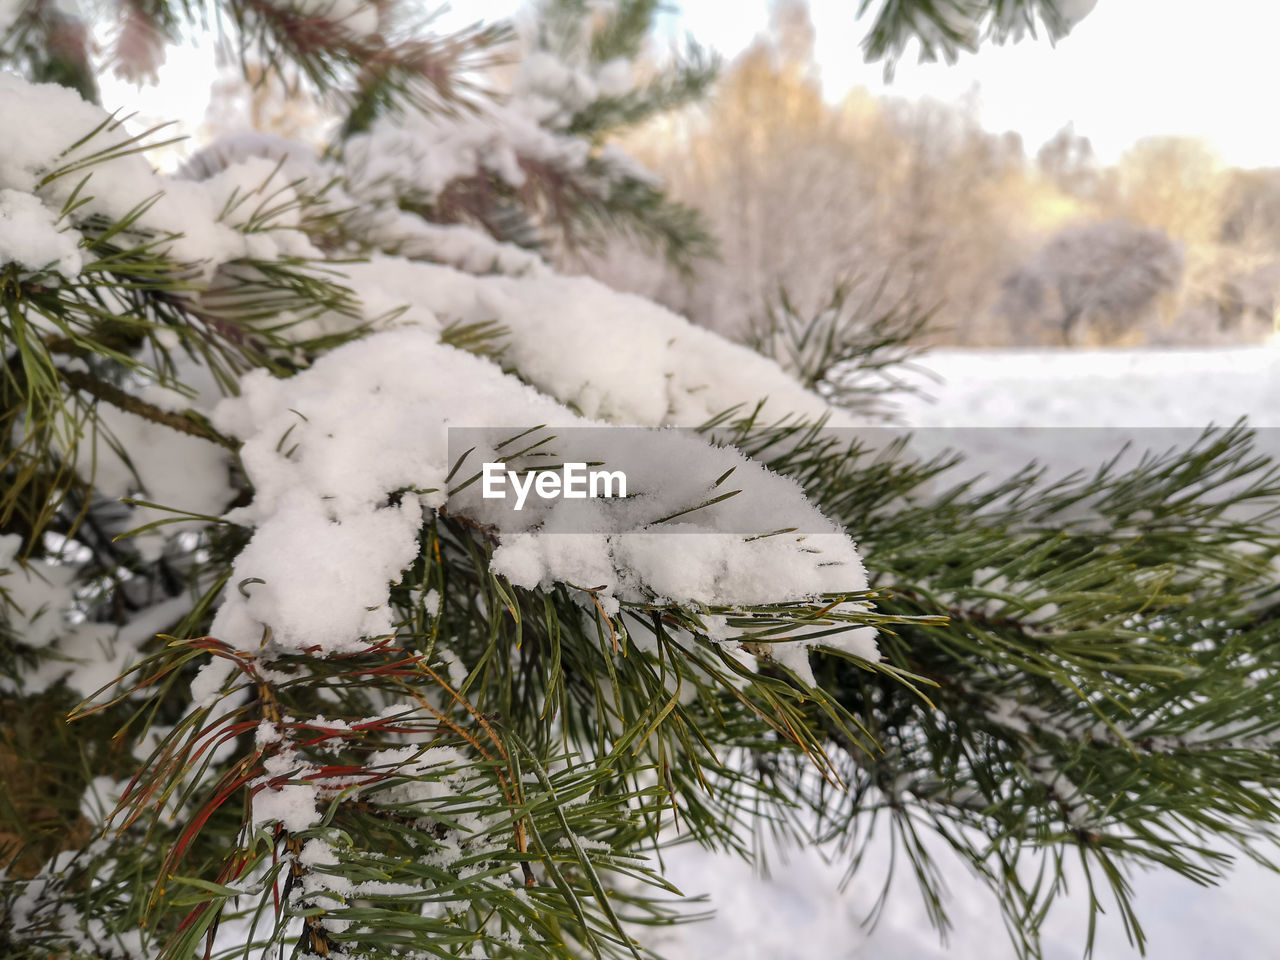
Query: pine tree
point(271, 680)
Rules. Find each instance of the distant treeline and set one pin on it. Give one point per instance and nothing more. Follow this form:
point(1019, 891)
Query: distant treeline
point(916, 206)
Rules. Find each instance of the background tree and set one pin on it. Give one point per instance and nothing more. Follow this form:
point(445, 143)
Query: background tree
point(1068, 161)
point(914, 199)
point(1099, 281)
point(919, 198)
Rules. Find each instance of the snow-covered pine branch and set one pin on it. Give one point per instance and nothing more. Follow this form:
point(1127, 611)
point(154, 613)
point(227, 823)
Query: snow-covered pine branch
point(139, 300)
point(271, 677)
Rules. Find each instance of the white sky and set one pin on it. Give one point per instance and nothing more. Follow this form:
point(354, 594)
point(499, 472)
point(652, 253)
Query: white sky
point(1131, 68)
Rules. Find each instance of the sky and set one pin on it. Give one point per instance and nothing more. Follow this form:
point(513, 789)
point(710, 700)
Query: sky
point(1131, 68)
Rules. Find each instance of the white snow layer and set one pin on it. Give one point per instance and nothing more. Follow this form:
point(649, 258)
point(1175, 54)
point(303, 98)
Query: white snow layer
point(29, 235)
point(370, 419)
point(419, 155)
point(69, 134)
point(1099, 388)
point(610, 356)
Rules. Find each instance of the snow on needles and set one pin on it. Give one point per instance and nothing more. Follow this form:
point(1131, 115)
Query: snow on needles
point(337, 454)
point(419, 156)
point(368, 422)
point(29, 235)
point(82, 139)
point(611, 356)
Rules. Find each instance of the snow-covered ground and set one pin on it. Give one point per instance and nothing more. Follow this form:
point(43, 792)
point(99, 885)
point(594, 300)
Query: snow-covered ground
point(798, 911)
point(1099, 388)
point(1072, 411)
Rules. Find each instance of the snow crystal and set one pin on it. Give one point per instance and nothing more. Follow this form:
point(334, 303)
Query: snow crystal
point(326, 573)
point(267, 733)
point(419, 155)
point(418, 786)
point(457, 245)
point(317, 853)
point(207, 684)
point(454, 668)
point(292, 805)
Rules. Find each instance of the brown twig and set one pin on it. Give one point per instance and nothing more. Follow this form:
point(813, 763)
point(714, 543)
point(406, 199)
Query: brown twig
point(87, 383)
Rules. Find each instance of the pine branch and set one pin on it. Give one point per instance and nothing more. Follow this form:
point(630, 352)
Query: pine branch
point(687, 81)
point(948, 27)
point(87, 383)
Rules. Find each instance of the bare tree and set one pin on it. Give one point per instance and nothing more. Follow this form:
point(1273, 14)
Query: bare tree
point(1104, 277)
